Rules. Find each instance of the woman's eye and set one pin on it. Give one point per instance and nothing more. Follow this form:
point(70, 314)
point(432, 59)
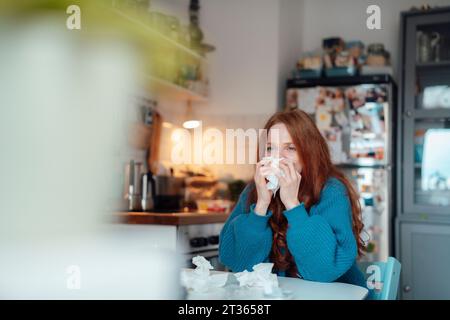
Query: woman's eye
point(291, 148)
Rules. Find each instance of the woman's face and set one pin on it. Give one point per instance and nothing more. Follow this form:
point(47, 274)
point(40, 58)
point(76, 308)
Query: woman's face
point(280, 145)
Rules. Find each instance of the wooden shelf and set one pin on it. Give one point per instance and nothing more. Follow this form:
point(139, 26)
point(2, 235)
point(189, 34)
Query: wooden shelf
point(165, 87)
point(439, 64)
point(147, 35)
point(153, 33)
point(362, 163)
point(436, 113)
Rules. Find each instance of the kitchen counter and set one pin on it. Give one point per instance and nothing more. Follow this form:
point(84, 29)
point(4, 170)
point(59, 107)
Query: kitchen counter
point(173, 218)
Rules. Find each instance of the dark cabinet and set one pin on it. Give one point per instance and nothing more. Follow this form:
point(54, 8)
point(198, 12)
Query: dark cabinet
point(425, 259)
point(425, 96)
point(423, 155)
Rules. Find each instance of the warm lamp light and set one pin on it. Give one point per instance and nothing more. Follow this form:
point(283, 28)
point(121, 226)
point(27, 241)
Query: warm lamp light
point(190, 121)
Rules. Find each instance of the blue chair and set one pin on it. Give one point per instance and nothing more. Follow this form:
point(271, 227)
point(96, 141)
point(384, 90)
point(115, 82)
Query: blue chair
point(382, 278)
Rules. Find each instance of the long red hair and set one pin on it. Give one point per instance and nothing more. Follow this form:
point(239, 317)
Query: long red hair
point(314, 156)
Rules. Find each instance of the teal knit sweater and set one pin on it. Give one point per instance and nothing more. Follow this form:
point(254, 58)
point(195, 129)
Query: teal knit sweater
point(321, 240)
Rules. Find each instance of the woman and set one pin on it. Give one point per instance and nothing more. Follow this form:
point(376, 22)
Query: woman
point(311, 227)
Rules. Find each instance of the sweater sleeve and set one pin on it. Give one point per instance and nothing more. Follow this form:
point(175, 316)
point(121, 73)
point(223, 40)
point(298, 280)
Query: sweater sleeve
point(322, 242)
point(246, 238)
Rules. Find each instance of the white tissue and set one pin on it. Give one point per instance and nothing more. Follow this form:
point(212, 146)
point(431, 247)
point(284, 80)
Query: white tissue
point(261, 276)
point(202, 265)
point(273, 183)
point(200, 280)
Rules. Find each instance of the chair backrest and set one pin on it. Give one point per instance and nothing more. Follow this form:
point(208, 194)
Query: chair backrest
point(382, 278)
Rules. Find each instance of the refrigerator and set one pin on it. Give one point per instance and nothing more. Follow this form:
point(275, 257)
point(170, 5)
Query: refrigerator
point(356, 116)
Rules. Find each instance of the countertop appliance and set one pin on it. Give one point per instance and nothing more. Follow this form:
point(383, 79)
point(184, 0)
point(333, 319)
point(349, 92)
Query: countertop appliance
point(133, 186)
point(167, 193)
point(200, 239)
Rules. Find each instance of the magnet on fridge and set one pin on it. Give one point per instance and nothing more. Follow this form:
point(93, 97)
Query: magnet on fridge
point(323, 118)
point(307, 99)
point(328, 104)
point(368, 202)
point(338, 105)
point(371, 247)
point(341, 119)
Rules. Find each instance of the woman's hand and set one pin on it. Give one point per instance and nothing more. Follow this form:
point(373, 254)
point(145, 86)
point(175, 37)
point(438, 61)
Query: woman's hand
point(264, 195)
point(289, 184)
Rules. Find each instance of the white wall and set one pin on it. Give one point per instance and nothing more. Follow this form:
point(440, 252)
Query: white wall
point(289, 41)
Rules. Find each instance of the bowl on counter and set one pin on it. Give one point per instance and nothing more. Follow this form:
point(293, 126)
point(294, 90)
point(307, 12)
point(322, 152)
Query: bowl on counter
point(209, 205)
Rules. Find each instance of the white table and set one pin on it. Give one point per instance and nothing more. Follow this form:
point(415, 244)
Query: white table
point(311, 290)
point(300, 290)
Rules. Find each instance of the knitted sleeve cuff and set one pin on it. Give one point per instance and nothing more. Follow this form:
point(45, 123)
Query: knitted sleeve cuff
point(297, 215)
point(256, 219)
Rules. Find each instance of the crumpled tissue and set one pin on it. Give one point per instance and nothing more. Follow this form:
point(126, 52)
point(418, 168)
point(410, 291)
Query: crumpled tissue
point(201, 280)
point(273, 183)
point(261, 276)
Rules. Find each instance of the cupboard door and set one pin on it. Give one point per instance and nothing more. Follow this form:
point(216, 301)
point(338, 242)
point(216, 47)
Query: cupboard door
point(430, 184)
point(426, 110)
point(425, 258)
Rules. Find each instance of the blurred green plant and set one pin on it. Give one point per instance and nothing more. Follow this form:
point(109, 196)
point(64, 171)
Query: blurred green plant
point(111, 19)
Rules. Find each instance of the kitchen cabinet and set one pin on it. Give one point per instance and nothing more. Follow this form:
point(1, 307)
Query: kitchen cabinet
point(423, 158)
point(425, 258)
point(188, 233)
point(426, 114)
